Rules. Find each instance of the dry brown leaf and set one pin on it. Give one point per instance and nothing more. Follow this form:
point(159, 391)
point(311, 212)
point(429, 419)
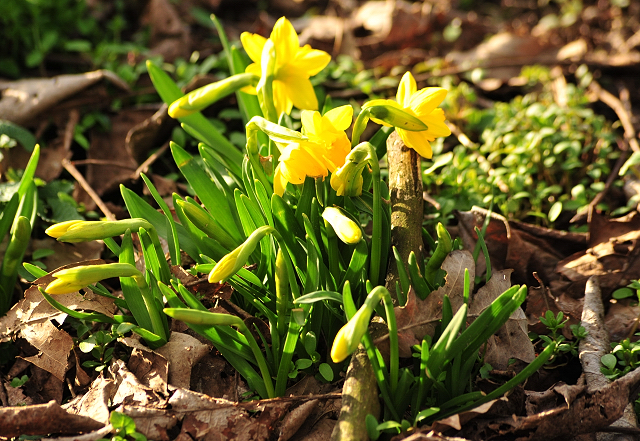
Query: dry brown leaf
point(23, 100)
point(182, 352)
point(523, 247)
point(295, 419)
point(42, 419)
point(418, 318)
point(54, 346)
point(511, 340)
point(95, 403)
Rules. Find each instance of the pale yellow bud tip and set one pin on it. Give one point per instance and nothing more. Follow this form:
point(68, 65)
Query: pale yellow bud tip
point(346, 229)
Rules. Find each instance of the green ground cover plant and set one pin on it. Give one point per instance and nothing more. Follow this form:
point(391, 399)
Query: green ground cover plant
point(533, 159)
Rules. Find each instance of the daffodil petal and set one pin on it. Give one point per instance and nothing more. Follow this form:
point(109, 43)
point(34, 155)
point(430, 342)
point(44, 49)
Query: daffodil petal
point(253, 45)
point(309, 118)
point(341, 117)
point(437, 127)
point(300, 91)
point(281, 98)
point(285, 40)
point(279, 181)
point(406, 88)
point(417, 141)
point(426, 100)
point(310, 61)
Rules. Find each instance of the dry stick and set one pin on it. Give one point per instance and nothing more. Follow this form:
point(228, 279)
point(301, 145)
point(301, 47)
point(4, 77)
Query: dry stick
point(73, 171)
point(592, 348)
point(359, 398)
point(618, 107)
point(144, 167)
point(405, 188)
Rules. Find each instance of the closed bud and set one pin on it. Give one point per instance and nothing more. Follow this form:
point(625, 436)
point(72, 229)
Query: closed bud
point(83, 231)
point(235, 260)
point(346, 229)
point(73, 279)
point(203, 97)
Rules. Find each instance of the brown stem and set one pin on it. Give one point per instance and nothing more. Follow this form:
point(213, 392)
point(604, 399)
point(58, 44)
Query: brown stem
point(405, 187)
point(359, 398)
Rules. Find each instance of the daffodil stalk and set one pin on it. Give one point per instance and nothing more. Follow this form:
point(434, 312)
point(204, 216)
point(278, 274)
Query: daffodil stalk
point(365, 153)
point(265, 85)
point(215, 319)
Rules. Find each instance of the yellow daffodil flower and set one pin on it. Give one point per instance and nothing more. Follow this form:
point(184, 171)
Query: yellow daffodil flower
point(328, 131)
point(423, 104)
point(324, 151)
point(346, 229)
point(293, 66)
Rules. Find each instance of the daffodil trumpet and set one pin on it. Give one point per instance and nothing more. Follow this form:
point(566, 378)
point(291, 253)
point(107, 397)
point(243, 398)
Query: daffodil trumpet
point(198, 317)
point(84, 231)
point(205, 96)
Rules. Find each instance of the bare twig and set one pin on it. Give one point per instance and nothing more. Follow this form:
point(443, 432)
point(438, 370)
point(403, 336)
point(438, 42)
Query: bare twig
point(144, 167)
point(618, 107)
point(592, 348)
point(73, 171)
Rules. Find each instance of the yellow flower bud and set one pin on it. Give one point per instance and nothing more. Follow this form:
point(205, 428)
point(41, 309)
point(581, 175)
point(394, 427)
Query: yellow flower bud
point(57, 230)
point(73, 279)
point(82, 231)
point(349, 336)
point(235, 260)
point(346, 229)
point(202, 97)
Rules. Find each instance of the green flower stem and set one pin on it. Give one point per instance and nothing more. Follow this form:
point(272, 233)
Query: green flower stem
point(287, 354)
point(282, 292)
point(379, 369)
point(150, 302)
point(214, 319)
point(376, 238)
point(265, 85)
point(394, 357)
point(332, 245)
point(254, 155)
point(358, 127)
